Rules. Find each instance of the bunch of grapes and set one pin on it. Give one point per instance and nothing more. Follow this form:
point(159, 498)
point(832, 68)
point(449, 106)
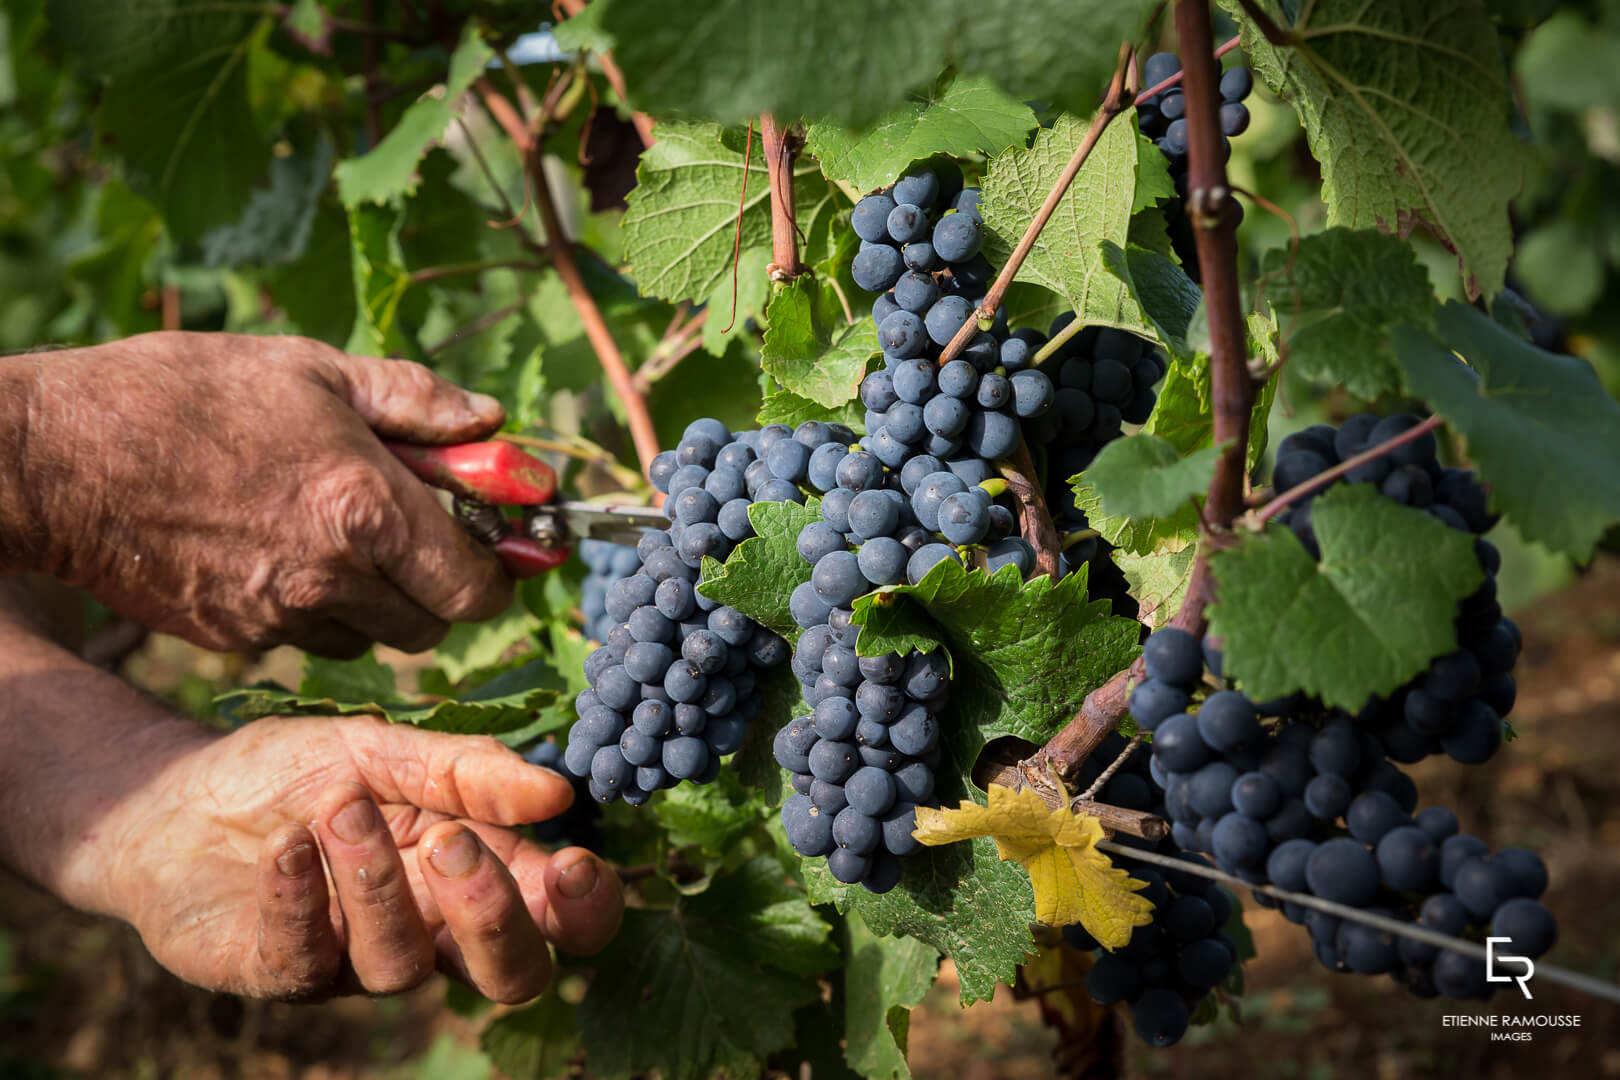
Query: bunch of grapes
point(1170, 965)
point(1162, 118)
point(864, 759)
point(1311, 799)
point(605, 563)
point(672, 687)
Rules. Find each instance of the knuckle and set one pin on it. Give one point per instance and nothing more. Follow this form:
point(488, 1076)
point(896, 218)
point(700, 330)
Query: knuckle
point(354, 503)
point(401, 969)
point(480, 597)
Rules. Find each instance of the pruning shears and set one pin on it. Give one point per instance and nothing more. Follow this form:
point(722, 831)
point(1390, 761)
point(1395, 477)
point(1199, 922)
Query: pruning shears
point(485, 476)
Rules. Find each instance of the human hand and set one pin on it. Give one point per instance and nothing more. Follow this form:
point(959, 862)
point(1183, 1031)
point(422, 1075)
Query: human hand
point(233, 490)
point(305, 857)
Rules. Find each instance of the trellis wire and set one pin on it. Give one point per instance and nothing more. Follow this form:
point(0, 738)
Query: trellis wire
point(1551, 972)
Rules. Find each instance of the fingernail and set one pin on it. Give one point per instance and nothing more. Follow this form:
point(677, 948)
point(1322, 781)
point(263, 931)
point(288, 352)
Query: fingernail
point(296, 860)
point(578, 877)
point(485, 406)
point(354, 822)
point(456, 855)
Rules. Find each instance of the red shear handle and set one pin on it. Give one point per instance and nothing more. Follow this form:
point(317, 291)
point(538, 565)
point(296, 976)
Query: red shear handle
point(493, 472)
point(523, 558)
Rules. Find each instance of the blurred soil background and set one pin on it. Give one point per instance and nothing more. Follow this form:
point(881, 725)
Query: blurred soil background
point(79, 997)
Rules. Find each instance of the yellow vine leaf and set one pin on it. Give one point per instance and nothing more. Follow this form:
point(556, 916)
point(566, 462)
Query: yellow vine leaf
point(1074, 882)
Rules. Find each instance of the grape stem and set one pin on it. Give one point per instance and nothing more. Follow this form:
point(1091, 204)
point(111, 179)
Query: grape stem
point(782, 146)
point(1034, 520)
point(1322, 479)
point(1121, 95)
point(1211, 210)
point(560, 248)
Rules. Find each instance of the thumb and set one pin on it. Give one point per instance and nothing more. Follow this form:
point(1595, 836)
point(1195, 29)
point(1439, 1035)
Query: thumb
point(465, 776)
point(399, 399)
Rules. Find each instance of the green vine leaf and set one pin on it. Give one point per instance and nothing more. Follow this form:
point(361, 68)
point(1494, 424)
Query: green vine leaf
point(1544, 430)
point(883, 978)
point(389, 172)
point(1182, 415)
point(682, 216)
point(712, 982)
point(959, 116)
point(380, 281)
point(1123, 173)
point(866, 58)
point(176, 100)
point(762, 571)
point(522, 700)
point(1408, 109)
point(1024, 654)
point(534, 1041)
point(1158, 579)
point(811, 346)
point(1350, 288)
point(785, 407)
point(1167, 296)
point(1142, 476)
point(1377, 608)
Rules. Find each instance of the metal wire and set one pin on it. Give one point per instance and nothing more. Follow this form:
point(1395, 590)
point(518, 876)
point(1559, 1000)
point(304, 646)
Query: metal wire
point(1551, 972)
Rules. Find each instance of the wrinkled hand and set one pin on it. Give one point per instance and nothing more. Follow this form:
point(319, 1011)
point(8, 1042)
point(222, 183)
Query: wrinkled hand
point(233, 490)
point(303, 857)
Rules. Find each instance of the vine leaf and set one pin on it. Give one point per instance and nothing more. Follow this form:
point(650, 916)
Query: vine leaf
point(1545, 432)
point(1158, 579)
point(712, 981)
point(177, 102)
point(1372, 614)
point(962, 899)
point(866, 57)
point(761, 572)
point(380, 281)
point(713, 816)
point(785, 407)
point(1123, 173)
point(1024, 654)
point(1407, 107)
point(1073, 881)
point(883, 978)
point(388, 172)
point(811, 348)
point(1351, 286)
point(1182, 415)
point(520, 701)
point(682, 215)
point(536, 1040)
point(275, 226)
point(1142, 476)
point(1167, 296)
point(960, 116)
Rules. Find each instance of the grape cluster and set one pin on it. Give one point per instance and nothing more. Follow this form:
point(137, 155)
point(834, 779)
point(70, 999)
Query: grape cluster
point(1312, 799)
point(864, 759)
point(1170, 965)
point(605, 563)
point(1457, 705)
point(1163, 119)
point(928, 422)
point(581, 824)
point(672, 687)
